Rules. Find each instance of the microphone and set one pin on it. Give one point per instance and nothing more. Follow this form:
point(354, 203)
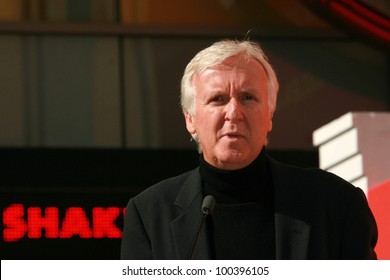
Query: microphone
point(208, 205)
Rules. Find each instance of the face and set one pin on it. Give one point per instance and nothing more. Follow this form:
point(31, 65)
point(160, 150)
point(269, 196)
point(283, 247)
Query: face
point(231, 117)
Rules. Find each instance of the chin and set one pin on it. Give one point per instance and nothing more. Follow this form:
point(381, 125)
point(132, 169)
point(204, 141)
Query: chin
point(238, 160)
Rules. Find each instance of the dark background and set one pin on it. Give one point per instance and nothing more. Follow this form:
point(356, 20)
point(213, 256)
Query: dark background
point(88, 178)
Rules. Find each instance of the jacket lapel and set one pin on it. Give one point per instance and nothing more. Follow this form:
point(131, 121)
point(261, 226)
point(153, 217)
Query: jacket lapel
point(291, 238)
point(184, 228)
point(292, 234)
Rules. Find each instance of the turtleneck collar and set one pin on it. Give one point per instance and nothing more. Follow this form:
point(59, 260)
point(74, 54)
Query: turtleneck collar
point(249, 184)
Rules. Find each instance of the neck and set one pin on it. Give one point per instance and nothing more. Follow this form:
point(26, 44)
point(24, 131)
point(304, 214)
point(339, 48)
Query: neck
point(242, 185)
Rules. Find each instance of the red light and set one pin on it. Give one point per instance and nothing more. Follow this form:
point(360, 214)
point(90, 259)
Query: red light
point(361, 21)
point(76, 222)
point(36, 222)
point(104, 222)
point(14, 225)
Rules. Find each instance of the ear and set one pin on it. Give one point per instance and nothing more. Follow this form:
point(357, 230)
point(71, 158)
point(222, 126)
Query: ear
point(270, 125)
point(270, 122)
point(190, 123)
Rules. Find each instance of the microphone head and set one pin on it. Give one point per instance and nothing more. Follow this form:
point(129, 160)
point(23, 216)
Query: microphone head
point(208, 204)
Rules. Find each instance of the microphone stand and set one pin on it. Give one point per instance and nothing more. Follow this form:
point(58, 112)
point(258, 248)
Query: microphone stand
point(207, 208)
point(198, 234)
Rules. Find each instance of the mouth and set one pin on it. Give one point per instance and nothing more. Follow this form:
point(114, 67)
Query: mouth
point(232, 136)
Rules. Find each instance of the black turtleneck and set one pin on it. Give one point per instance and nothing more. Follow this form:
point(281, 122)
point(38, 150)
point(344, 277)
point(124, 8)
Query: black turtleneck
point(242, 225)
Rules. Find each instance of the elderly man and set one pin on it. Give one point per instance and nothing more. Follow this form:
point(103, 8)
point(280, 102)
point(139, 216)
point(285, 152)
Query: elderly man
point(264, 209)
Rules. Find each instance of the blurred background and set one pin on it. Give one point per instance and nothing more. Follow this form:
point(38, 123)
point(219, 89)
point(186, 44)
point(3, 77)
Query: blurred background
point(89, 101)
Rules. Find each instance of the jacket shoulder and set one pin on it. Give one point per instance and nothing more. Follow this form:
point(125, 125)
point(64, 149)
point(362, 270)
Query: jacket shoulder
point(161, 196)
point(166, 187)
point(312, 177)
point(306, 192)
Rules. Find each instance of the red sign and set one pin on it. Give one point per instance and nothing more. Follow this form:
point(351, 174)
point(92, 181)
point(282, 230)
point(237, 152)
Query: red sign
point(20, 222)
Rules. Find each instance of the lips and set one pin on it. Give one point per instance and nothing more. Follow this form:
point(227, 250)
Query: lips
point(232, 135)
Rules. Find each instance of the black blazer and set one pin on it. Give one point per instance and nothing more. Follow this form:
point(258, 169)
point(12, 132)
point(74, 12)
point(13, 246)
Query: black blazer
point(317, 216)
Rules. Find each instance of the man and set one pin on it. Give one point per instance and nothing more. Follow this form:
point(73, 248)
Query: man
point(264, 209)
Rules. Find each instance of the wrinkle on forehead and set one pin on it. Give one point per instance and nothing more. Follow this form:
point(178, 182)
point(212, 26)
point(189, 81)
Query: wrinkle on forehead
point(239, 64)
point(236, 61)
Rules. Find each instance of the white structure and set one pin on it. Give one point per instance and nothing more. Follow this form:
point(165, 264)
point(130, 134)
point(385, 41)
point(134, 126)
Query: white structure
point(356, 147)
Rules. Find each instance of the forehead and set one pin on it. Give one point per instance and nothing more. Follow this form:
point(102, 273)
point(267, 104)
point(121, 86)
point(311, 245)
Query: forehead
point(237, 61)
point(239, 65)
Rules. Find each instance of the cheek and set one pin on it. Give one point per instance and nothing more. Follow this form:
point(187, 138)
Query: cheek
point(263, 125)
point(208, 125)
point(210, 118)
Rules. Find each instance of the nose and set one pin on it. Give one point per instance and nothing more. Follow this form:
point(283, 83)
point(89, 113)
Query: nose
point(233, 110)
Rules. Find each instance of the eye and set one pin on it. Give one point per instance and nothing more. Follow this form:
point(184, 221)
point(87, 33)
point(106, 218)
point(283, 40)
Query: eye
point(217, 99)
point(246, 96)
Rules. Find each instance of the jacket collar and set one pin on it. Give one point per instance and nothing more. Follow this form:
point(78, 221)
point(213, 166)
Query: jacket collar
point(292, 234)
point(185, 227)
